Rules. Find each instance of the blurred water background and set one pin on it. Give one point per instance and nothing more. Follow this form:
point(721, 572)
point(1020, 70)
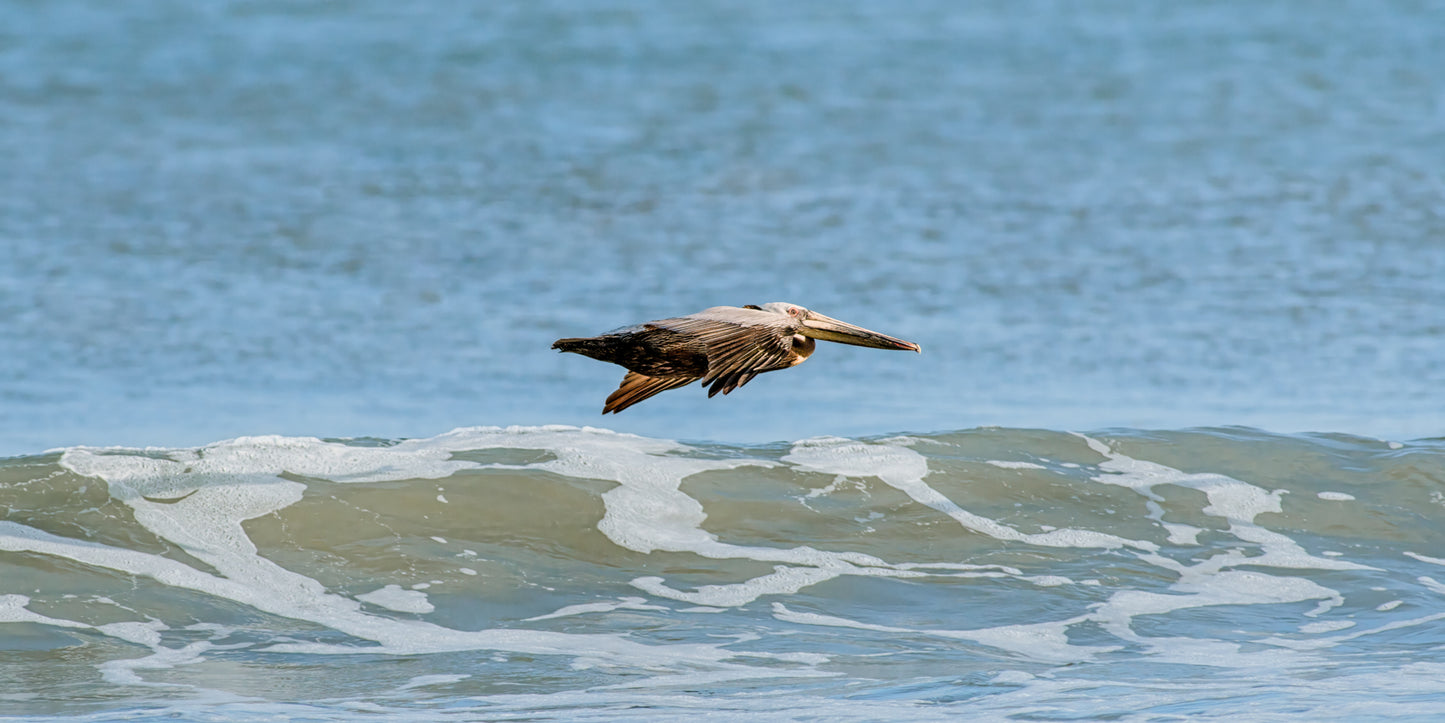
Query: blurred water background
point(349, 219)
point(367, 221)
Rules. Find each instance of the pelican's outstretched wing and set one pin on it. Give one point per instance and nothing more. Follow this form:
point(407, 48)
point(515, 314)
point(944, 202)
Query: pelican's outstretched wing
point(637, 387)
point(741, 344)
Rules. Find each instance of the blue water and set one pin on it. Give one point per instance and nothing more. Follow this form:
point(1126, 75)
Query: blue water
point(370, 220)
point(363, 219)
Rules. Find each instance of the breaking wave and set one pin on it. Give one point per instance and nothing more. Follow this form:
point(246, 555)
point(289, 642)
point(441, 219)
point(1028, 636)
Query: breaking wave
point(580, 573)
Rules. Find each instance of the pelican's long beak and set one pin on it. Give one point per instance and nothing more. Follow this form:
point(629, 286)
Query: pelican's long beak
point(818, 326)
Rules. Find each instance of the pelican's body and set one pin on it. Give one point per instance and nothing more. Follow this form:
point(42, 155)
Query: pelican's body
point(724, 346)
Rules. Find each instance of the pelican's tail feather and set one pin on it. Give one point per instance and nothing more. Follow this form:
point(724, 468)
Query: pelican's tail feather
point(637, 387)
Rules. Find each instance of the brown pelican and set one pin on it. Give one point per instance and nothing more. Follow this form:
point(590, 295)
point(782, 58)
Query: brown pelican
point(724, 346)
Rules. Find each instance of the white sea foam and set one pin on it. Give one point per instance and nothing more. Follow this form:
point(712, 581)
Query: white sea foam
point(1203, 584)
point(1425, 558)
point(1330, 641)
point(146, 634)
point(1237, 501)
point(424, 681)
point(1326, 626)
point(1008, 464)
point(124, 671)
point(304, 599)
point(392, 597)
point(784, 580)
point(1202, 589)
point(904, 469)
point(1040, 641)
point(1179, 533)
point(13, 610)
point(648, 512)
point(627, 603)
point(1431, 583)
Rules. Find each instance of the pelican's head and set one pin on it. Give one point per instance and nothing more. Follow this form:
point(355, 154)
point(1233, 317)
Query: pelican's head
point(814, 325)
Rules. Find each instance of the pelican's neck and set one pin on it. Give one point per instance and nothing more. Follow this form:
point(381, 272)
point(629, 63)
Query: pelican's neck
point(803, 346)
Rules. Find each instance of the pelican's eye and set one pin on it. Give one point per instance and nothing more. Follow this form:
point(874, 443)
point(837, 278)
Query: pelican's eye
point(794, 311)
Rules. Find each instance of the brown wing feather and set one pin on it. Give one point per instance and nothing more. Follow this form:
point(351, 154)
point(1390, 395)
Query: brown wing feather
point(737, 352)
point(637, 387)
point(739, 344)
point(743, 367)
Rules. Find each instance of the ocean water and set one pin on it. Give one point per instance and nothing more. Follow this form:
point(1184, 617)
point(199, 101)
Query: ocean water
point(563, 573)
point(281, 435)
